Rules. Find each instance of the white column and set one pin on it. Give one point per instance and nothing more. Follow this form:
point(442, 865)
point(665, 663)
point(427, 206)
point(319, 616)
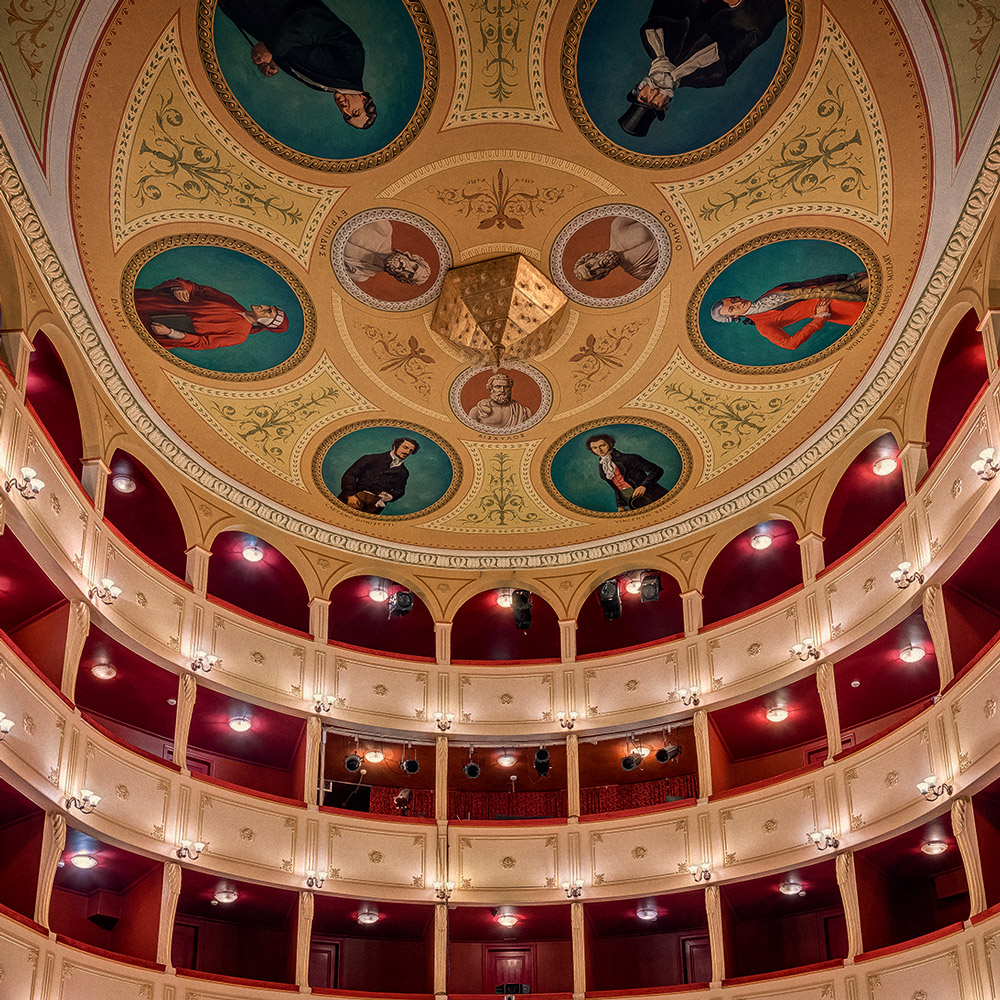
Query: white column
point(913, 459)
point(811, 554)
point(441, 779)
point(303, 938)
point(848, 883)
point(937, 625)
point(963, 825)
point(94, 479)
point(579, 950)
point(716, 934)
point(314, 745)
point(567, 639)
point(168, 910)
point(187, 693)
point(573, 775)
point(53, 844)
point(703, 752)
point(319, 619)
point(831, 715)
point(196, 569)
point(77, 630)
point(442, 643)
point(440, 951)
point(693, 617)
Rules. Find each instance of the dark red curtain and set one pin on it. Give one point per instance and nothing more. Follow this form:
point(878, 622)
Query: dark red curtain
point(499, 805)
point(382, 801)
point(613, 798)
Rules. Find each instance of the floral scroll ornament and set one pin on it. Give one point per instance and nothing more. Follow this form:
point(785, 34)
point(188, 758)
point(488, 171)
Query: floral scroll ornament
point(375, 857)
point(407, 362)
point(500, 203)
point(508, 862)
point(499, 34)
point(502, 502)
point(597, 357)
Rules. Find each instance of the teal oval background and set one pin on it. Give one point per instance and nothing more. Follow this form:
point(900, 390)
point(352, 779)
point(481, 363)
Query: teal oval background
point(307, 120)
point(247, 280)
point(575, 473)
point(756, 273)
point(611, 61)
point(430, 468)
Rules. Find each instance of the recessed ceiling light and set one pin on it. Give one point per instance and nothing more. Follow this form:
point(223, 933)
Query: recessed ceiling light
point(103, 671)
point(885, 467)
point(505, 918)
point(374, 756)
point(791, 889)
point(226, 895)
point(252, 553)
point(855, 684)
point(642, 750)
point(761, 541)
point(368, 914)
point(634, 585)
point(933, 847)
point(84, 861)
point(123, 483)
point(647, 913)
point(378, 594)
point(776, 714)
point(239, 723)
point(506, 759)
point(505, 598)
point(171, 701)
point(912, 654)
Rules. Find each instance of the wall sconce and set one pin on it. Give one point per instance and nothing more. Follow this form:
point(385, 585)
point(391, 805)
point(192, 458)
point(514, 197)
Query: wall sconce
point(314, 880)
point(902, 576)
point(191, 849)
point(204, 661)
point(574, 889)
point(29, 485)
point(690, 697)
point(106, 593)
point(443, 890)
point(567, 720)
point(805, 650)
point(86, 801)
point(984, 466)
point(323, 702)
point(444, 720)
point(931, 790)
point(701, 873)
point(823, 839)
point(6, 725)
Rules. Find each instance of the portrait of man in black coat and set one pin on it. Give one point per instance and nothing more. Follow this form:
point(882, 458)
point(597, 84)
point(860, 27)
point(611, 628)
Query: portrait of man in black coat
point(305, 39)
point(376, 480)
point(695, 43)
point(634, 479)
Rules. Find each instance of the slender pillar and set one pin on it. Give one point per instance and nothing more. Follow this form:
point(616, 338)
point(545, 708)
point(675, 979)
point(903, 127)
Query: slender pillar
point(989, 327)
point(963, 825)
point(579, 950)
point(168, 911)
point(573, 775)
point(17, 349)
point(442, 643)
point(77, 629)
point(319, 619)
point(693, 618)
point(314, 744)
point(303, 937)
point(567, 639)
point(811, 554)
point(716, 942)
point(94, 479)
point(441, 779)
point(53, 844)
point(937, 625)
point(187, 693)
point(440, 950)
point(196, 569)
point(913, 459)
point(848, 883)
point(831, 715)
point(703, 751)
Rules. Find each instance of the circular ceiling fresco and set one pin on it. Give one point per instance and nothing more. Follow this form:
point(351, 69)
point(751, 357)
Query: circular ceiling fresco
point(718, 208)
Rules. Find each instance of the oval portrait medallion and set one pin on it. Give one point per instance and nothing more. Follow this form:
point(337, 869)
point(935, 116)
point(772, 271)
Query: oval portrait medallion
point(504, 400)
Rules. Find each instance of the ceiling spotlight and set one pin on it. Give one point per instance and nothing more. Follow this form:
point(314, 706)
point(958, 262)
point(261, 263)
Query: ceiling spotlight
point(374, 756)
point(240, 723)
point(379, 593)
point(505, 598)
point(647, 912)
point(611, 599)
point(225, 895)
point(934, 847)
point(649, 587)
point(667, 753)
point(84, 861)
point(855, 684)
point(631, 761)
point(352, 762)
point(885, 467)
point(123, 483)
point(252, 552)
point(403, 799)
point(368, 914)
point(776, 714)
point(506, 759)
point(634, 584)
point(411, 765)
point(634, 752)
point(521, 607)
point(912, 654)
point(761, 541)
point(542, 762)
point(471, 769)
point(400, 603)
point(103, 671)
point(791, 889)
point(504, 917)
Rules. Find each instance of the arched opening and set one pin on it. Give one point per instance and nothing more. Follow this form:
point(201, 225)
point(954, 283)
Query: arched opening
point(138, 506)
point(754, 567)
point(49, 393)
point(484, 629)
point(256, 577)
point(869, 492)
point(644, 618)
point(363, 614)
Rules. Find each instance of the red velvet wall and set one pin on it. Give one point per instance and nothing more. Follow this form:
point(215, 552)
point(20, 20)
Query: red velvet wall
point(640, 623)
point(637, 961)
point(377, 965)
point(720, 763)
point(272, 780)
point(484, 631)
point(20, 855)
point(359, 621)
point(769, 945)
point(50, 394)
point(987, 811)
point(553, 966)
point(230, 949)
point(43, 640)
point(971, 625)
point(878, 924)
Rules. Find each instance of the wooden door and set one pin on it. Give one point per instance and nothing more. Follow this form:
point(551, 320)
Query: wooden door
point(509, 965)
point(184, 950)
point(696, 959)
point(323, 959)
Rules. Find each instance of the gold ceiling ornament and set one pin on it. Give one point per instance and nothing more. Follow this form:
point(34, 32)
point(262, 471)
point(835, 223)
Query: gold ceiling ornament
point(503, 308)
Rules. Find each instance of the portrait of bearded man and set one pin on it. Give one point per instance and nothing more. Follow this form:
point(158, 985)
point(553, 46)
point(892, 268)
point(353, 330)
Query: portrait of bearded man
point(500, 409)
point(369, 251)
point(632, 247)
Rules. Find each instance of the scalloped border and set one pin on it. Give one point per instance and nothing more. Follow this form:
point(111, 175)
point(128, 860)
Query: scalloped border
point(455, 401)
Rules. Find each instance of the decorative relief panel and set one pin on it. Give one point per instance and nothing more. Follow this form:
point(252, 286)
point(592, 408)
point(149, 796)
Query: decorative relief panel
point(258, 659)
point(371, 857)
point(62, 517)
point(145, 807)
point(973, 718)
point(915, 978)
point(274, 835)
point(20, 966)
point(108, 981)
point(768, 825)
point(510, 862)
point(666, 852)
point(43, 750)
point(386, 691)
point(481, 698)
point(618, 688)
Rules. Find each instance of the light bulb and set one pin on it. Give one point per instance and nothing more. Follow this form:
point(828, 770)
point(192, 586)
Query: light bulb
point(912, 654)
point(934, 847)
point(647, 913)
point(505, 598)
point(226, 895)
point(368, 915)
point(776, 714)
point(253, 553)
point(239, 724)
point(884, 467)
point(374, 756)
point(123, 483)
point(761, 541)
point(506, 759)
point(507, 919)
point(378, 594)
point(791, 888)
point(103, 671)
point(634, 585)
point(84, 861)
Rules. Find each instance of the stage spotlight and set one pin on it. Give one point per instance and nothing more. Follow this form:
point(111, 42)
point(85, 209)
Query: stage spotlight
point(542, 762)
point(668, 753)
point(521, 608)
point(400, 603)
point(611, 599)
point(471, 770)
point(411, 765)
point(649, 588)
point(402, 801)
point(632, 761)
point(352, 762)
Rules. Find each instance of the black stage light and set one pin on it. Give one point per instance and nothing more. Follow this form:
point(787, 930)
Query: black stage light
point(400, 603)
point(521, 608)
point(649, 587)
point(402, 800)
point(668, 753)
point(411, 765)
point(631, 762)
point(352, 762)
point(611, 599)
point(471, 770)
point(542, 762)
